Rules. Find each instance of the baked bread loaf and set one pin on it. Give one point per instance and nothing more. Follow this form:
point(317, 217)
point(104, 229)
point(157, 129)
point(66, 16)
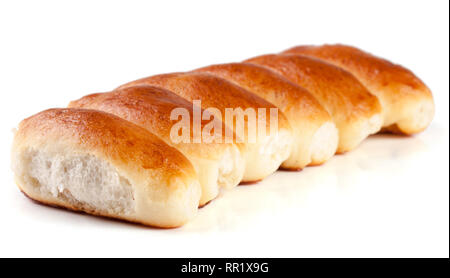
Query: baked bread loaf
point(120, 155)
point(264, 155)
point(315, 134)
point(217, 164)
point(407, 102)
point(95, 162)
point(356, 112)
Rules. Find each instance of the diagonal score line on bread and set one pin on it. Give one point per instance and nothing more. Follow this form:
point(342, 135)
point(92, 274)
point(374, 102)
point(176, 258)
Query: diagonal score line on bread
point(315, 134)
point(263, 157)
point(95, 162)
point(408, 105)
point(219, 165)
point(355, 111)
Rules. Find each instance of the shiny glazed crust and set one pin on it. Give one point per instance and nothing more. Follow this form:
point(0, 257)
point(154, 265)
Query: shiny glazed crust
point(407, 102)
point(304, 112)
point(211, 90)
point(221, 94)
point(151, 107)
point(356, 112)
point(156, 171)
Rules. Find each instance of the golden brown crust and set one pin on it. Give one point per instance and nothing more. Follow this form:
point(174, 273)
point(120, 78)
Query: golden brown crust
point(355, 111)
point(250, 182)
point(211, 90)
point(370, 69)
point(273, 87)
point(150, 107)
point(395, 85)
point(165, 186)
point(305, 114)
point(336, 89)
point(263, 153)
point(106, 136)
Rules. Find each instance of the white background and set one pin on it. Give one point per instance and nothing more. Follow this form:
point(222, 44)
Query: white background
point(390, 197)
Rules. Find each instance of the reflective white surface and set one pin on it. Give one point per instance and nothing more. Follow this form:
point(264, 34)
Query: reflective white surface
point(389, 197)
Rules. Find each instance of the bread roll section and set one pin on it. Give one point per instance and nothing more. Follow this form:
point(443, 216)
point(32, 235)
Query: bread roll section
point(355, 111)
point(98, 163)
point(315, 134)
point(408, 105)
point(218, 165)
point(262, 157)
